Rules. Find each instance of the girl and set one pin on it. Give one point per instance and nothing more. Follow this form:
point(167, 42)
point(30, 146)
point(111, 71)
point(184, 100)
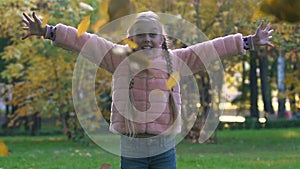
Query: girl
point(147, 127)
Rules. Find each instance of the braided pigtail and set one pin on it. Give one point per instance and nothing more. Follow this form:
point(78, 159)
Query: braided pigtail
point(128, 123)
point(172, 103)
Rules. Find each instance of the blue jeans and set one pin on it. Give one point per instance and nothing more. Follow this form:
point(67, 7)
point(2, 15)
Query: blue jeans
point(148, 153)
point(166, 160)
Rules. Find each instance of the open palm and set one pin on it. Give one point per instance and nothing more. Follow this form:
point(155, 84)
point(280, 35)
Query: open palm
point(34, 27)
point(262, 36)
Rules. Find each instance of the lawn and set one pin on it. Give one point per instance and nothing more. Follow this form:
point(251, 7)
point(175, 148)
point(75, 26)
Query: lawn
point(237, 149)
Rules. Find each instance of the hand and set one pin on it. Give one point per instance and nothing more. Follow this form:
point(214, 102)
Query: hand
point(261, 37)
point(34, 27)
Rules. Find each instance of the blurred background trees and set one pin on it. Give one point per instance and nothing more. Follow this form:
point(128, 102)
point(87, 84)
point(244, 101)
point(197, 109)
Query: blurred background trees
point(36, 78)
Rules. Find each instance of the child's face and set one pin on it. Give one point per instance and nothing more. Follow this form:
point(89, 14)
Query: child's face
point(147, 36)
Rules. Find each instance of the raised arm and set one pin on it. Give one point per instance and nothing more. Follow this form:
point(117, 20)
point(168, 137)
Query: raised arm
point(96, 49)
point(198, 55)
point(62, 35)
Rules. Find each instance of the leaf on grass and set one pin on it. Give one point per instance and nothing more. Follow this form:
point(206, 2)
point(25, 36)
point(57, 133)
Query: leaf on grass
point(105, 166)
point(88, 154)
point(84, 25)
point(130, 43)
point(173, 80)
point(45, 20)
point(3, 149)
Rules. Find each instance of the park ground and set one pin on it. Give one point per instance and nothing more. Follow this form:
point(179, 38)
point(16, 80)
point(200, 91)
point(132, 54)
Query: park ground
point(235, 149)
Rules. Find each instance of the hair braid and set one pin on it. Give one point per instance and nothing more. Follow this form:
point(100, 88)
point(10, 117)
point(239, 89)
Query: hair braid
point(168, 57)
point(172, 102)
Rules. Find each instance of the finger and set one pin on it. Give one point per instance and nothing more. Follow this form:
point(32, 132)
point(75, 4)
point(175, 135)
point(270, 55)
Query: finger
point(25, 37)
point(27, 17)
point(24, 21)
point(36, 19)
point(267, 27)
point(261, 25)
point(271, 31)
point(270, 44)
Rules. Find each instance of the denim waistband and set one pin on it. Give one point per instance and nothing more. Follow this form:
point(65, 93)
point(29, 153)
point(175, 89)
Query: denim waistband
point(140, 147)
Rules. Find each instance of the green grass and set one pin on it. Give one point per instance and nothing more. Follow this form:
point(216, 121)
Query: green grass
point(238, 149)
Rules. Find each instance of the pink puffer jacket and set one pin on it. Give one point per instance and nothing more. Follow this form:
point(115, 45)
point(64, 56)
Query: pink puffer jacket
point(154, 115)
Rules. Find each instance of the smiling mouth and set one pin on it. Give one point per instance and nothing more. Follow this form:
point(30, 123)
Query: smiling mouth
point(146, 47)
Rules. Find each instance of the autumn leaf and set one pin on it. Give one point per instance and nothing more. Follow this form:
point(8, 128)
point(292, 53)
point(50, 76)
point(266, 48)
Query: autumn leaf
point(84, 25)
point(130, 43)
point(45, 20)
point(88, 154)
point(173, 80)
point(3, 149)
point(105, 166)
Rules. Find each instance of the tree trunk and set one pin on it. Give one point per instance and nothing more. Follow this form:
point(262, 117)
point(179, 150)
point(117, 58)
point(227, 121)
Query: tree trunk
point(292, 97)
point(281, 86)
point(265, 89)
point(253, 85)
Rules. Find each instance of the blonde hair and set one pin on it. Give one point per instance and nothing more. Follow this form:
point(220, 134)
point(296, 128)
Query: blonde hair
point(150, 16)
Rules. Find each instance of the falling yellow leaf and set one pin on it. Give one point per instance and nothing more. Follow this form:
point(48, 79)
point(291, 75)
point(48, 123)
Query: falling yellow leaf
point(173, 80)
point(45, 20)
point(84, 25)
point(130, 43)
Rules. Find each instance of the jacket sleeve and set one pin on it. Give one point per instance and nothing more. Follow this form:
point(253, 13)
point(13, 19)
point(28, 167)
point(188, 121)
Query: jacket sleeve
point(202, 54)
point(96, 49)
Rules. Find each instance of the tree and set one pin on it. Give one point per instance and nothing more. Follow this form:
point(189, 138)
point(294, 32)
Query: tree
point(287, 14)
point(264, 76)
point(38, 75)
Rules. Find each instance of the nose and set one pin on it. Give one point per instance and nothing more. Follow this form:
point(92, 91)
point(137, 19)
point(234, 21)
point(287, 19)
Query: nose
point(147, 37)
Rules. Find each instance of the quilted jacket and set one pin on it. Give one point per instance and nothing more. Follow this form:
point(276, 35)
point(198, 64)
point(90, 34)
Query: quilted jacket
point(153, 114)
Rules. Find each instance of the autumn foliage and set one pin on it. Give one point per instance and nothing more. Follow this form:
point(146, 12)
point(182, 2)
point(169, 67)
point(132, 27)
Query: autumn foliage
point(36, 77)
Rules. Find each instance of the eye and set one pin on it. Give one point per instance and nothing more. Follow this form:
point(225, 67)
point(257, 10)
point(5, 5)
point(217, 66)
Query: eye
point(153, 35)
point(141, 35)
